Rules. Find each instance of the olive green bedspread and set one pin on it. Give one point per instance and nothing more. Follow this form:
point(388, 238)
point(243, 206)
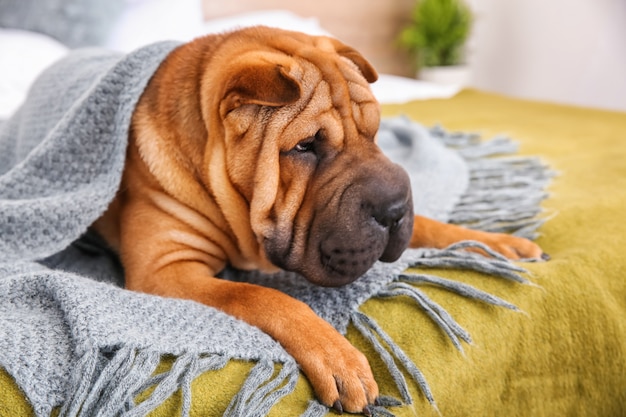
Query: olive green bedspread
point(565, 355)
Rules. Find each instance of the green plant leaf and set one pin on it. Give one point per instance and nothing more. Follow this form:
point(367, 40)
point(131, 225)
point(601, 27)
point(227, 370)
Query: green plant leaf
point(438, 32)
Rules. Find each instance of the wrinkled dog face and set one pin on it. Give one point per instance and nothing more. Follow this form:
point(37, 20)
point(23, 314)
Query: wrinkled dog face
point(325, 202)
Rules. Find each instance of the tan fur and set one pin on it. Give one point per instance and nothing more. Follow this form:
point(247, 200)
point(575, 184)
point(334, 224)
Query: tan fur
point(211, 178)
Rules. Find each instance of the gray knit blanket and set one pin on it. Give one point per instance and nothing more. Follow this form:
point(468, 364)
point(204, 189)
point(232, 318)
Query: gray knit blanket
point(73, 338)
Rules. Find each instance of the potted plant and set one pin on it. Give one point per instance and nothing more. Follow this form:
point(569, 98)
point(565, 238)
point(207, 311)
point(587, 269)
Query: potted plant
point(436, 38)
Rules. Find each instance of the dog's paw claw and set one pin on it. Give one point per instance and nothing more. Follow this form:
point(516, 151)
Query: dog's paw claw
point(545, 256)
point(338, 407)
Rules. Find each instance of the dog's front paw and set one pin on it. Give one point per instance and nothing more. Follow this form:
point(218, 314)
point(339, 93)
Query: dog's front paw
point(341, 376)
point(514, 247)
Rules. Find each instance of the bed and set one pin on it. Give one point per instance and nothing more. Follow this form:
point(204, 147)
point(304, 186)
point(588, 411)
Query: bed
point(563, 353)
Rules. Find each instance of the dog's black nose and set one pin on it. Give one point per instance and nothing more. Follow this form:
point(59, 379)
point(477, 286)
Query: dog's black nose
point(390, 214)
point(387, 197)
point(387, 200)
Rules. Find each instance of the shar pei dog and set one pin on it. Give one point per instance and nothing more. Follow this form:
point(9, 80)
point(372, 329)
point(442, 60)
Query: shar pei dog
point(257, 149)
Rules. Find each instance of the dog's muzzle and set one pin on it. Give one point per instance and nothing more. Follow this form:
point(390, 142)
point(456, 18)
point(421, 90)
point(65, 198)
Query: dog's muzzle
point(374, 222)
point(369, 218)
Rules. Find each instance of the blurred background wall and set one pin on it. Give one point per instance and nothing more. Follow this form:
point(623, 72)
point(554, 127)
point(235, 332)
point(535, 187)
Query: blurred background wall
point(571, 51)
point(568, 51)
point(371, 26)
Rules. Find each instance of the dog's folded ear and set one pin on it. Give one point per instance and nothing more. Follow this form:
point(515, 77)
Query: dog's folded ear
point(263, 83)
point(366, 68)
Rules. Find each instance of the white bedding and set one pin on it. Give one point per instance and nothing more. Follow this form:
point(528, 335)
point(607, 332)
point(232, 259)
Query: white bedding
point(23, 55)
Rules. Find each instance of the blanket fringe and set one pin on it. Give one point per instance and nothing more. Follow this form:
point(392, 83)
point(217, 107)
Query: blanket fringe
point(437, 314)
point(406, 284)
point(504, 193)
point(106, 383)
point(262, 390)
point(185, 368)
point(316, 409)
point(454, 258)
point(376, 335)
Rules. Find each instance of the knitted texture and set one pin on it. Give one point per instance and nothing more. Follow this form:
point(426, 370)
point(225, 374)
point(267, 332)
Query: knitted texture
point(73, 338)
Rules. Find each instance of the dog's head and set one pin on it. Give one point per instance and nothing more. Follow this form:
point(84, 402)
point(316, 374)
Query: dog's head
point(299, 123)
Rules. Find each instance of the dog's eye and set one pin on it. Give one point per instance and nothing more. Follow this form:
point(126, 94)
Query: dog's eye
point(306, 145)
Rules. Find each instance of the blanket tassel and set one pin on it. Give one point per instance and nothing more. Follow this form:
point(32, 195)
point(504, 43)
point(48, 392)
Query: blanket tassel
point(316, 409)
point(262, 390)
point(106, 383)
point(404, 285)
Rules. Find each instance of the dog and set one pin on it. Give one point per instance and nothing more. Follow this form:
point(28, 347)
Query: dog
point(256, 149)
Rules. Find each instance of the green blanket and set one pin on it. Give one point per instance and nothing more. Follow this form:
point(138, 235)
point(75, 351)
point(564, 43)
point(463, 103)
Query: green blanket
point(565, 355)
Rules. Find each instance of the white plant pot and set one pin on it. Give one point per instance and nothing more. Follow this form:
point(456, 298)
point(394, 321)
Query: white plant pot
point(458, 75)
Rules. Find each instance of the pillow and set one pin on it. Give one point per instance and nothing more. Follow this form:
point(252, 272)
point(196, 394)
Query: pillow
point(143, 22)
point(23, 55)
point(393, 89)
point(73, 22)
point(147, 21)
point(282, 19)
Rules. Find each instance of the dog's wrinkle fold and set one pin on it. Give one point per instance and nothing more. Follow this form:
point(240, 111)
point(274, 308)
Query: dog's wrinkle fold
point(213, 262)
point(207, 229)
point(359, 93)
